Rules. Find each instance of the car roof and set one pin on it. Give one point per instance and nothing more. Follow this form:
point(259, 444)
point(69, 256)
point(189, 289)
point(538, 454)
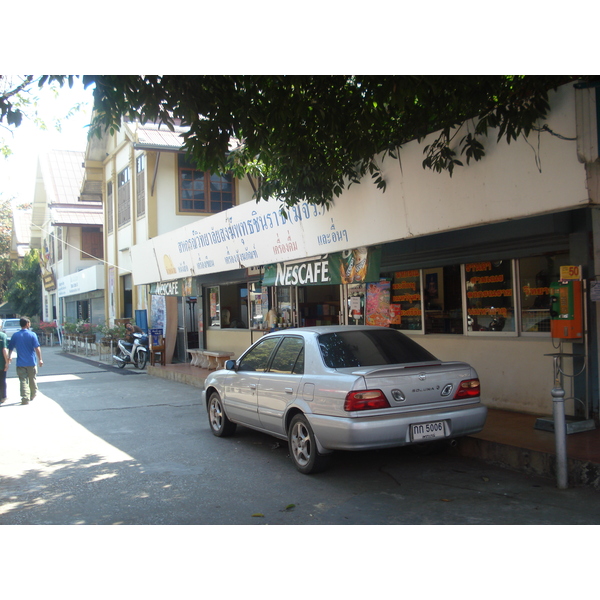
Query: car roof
point(320, 329)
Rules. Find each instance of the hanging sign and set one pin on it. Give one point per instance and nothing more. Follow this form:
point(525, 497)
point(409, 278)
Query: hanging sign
point(570, 273)
point(351, 266)
point(179, 287)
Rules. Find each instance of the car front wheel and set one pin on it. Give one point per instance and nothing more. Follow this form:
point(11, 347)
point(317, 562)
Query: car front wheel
point(220, 425)
point(303, 447)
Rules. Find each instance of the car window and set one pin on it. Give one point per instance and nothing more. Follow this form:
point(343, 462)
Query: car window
point(286, 359)
point(369, 348)
point(257, 358)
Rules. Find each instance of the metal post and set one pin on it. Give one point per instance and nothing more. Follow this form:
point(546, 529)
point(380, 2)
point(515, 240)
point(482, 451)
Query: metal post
point(560, 436)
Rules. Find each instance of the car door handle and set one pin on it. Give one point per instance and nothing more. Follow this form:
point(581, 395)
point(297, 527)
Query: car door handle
point(289, 390)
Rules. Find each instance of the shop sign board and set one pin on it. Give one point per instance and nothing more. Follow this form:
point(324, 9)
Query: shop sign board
point(178, 287)
point(88, 280)
point(351, 266)
point(249, 235)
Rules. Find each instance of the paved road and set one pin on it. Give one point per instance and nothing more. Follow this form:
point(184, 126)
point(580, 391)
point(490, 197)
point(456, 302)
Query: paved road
point(104, 446)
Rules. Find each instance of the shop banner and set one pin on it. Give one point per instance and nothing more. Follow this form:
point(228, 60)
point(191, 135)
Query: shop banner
point(350, 266)
point(180, 287)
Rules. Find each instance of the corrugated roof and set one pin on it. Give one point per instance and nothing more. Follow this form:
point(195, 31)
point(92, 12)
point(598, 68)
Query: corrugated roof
point(62, 171)
point(83, 215)
point(151, 135)
point(22, 226)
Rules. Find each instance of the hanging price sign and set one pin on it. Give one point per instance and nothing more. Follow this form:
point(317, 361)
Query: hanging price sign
point(570, 273)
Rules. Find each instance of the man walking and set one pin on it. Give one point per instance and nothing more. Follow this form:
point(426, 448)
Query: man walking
point(4, 362)
point(28, 350)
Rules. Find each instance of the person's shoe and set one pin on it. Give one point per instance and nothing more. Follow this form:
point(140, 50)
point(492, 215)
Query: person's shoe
point(24, 401)
point(3, 400)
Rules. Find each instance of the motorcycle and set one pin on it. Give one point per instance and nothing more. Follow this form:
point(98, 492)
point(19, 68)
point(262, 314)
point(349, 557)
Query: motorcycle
point(133, 354)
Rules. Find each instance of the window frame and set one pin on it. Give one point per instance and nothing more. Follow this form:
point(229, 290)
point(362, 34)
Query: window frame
point(515, 305)
point(86, 253)
point(140, 185)
point(124, 197)
point(207, 189)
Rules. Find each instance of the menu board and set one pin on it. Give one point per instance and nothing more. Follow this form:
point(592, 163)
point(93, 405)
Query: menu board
point(406, 299)
point(490, 300)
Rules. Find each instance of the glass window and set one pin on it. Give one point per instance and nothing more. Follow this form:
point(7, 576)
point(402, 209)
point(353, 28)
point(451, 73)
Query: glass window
point(536, 273)
point(214, 307)
point(369, 348)
point(405, 305)
point(442, 299)
point(356, 303)
point(228, 306)
point(123, 198)
point(289, 357)
point(259, 305)
point(257, 358)
point(140, 167)
point(490, 298)
point(202, 191)
point(109, 206)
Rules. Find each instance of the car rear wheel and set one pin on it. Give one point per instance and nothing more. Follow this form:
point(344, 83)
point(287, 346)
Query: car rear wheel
point(220, 425)
point(303, 447)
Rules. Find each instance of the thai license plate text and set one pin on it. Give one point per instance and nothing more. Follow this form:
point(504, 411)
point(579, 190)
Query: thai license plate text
point(428, 431)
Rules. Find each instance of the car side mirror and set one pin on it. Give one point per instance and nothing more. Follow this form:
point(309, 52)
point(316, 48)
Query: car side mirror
point(230, 365)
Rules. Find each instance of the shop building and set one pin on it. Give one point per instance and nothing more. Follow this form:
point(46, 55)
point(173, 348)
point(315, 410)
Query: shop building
point(66, 227)
point(465, 264)
point(149, 189)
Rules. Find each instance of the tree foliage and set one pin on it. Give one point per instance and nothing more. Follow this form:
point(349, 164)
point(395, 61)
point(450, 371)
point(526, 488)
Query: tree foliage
point(5, 241)
point(19, 100)
point(310, 137)
point(25, 288)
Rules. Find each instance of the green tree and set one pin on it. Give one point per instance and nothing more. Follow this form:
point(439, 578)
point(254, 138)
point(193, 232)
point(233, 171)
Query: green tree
point(5, 241)
point(19, 100)
point(25, 288)
point(310, 137)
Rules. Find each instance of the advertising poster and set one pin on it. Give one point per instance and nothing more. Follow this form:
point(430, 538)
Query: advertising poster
point(378, 304)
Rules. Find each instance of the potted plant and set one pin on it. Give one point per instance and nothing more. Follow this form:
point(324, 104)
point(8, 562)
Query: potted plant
point(69, 328)
point(86, 331)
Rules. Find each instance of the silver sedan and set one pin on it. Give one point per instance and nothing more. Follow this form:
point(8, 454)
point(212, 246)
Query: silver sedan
point(343, 388)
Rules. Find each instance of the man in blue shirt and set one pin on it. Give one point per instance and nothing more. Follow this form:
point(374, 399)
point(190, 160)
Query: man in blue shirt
point(28, 349)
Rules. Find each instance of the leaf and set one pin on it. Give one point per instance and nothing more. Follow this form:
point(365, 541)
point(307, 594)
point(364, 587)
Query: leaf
point(258, 515)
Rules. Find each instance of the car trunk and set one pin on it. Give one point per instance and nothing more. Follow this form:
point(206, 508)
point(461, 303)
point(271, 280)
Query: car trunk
point(417, 384)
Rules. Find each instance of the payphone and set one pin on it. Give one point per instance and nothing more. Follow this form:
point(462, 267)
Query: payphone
point(566, 308)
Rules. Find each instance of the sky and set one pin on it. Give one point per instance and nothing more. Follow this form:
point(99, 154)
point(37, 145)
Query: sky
point(28, 141)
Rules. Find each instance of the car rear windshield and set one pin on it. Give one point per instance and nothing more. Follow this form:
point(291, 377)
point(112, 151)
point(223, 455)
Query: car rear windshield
point(370, 348)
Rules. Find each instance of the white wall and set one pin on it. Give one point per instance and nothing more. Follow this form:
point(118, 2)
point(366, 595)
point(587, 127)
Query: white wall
point(515, 374)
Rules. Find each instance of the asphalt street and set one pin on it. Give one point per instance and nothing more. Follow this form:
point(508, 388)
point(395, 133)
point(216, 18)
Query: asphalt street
point(106, 446)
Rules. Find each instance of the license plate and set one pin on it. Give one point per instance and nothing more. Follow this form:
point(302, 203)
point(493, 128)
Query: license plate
point(428, 431)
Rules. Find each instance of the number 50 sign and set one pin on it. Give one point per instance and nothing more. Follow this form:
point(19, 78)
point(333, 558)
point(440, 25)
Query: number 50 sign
point(570, 273)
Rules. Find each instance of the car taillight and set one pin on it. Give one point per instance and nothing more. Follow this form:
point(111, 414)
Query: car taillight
point(469, 388)
point(365, 400)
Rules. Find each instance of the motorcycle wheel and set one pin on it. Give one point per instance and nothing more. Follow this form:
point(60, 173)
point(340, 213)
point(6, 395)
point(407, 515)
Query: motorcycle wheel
point(140, 360)
point(121, 363)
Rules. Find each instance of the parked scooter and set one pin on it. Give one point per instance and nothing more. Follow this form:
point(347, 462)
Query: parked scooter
point(133, 354)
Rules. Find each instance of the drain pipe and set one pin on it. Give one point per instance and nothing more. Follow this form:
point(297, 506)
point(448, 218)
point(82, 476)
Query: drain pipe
point(560, 436)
